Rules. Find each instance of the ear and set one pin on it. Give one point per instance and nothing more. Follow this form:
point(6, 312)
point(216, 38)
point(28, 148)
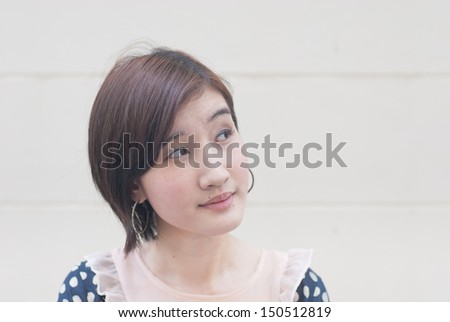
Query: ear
point(137, 193)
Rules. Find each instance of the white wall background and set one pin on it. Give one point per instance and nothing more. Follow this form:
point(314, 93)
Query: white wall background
point(374, 73)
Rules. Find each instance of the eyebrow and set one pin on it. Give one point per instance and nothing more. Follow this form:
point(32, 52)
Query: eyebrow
point(221, 111)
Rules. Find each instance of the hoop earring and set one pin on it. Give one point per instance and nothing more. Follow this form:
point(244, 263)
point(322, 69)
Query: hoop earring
point(253, 181)
point(149, 210)
point(138, 229)
point(153, 225)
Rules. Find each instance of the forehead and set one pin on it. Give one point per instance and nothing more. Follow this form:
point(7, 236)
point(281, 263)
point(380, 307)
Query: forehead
point(200, 109)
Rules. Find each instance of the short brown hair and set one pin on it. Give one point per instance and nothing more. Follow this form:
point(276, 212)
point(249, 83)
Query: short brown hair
point(141, 96)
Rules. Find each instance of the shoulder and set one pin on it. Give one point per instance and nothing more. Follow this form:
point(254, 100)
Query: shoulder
point(311, 289)
point(80, 285)
point(300, 283)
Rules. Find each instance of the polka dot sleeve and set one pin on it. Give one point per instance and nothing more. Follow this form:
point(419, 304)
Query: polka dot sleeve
point(311, 289)
point(80, 285)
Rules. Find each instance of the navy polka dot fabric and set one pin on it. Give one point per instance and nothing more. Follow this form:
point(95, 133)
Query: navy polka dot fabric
point(81, 286)
point(311, 289)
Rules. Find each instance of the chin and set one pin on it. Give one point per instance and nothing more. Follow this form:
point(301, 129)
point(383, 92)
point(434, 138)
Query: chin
point(227, 226)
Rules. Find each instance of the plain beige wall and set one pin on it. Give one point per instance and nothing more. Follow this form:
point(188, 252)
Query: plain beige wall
point(376, 74)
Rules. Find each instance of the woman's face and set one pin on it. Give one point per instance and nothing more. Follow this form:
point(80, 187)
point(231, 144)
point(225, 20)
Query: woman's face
point(199, 185)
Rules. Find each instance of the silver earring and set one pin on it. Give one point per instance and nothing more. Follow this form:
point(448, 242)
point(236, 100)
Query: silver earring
point(253, 181)
point(153, 225)
point(150, 210)
point(136, 223)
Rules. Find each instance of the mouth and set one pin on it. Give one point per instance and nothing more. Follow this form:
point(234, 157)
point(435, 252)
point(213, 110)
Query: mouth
point(220, 202)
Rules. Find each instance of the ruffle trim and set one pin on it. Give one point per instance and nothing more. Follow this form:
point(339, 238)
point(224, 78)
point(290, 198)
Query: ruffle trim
point(298, 263)
point(108, 283)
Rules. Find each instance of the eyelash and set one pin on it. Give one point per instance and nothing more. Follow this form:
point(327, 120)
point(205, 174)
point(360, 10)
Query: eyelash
point(227, 132)
point(171, 155)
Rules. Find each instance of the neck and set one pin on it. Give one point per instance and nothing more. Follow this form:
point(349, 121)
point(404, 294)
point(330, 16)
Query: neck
point(192, 263)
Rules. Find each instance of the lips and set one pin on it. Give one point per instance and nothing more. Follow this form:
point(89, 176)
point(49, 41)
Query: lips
point(220, 203)
point(218, 199)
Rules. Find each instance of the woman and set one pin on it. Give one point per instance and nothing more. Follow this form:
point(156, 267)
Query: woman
point(164, 150)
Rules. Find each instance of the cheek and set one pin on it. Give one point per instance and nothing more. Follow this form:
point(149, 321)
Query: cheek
point(239, 161)
point(163, 189)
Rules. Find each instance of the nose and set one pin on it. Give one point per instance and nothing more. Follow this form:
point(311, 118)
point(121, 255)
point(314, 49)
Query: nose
point(213, 173)
point(214, 177)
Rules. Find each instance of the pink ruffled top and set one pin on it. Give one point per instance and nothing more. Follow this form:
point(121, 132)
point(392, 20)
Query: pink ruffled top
point(276, 278)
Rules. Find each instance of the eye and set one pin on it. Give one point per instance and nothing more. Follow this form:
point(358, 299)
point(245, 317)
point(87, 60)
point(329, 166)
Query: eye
point(224, 134)
point(178, 153)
